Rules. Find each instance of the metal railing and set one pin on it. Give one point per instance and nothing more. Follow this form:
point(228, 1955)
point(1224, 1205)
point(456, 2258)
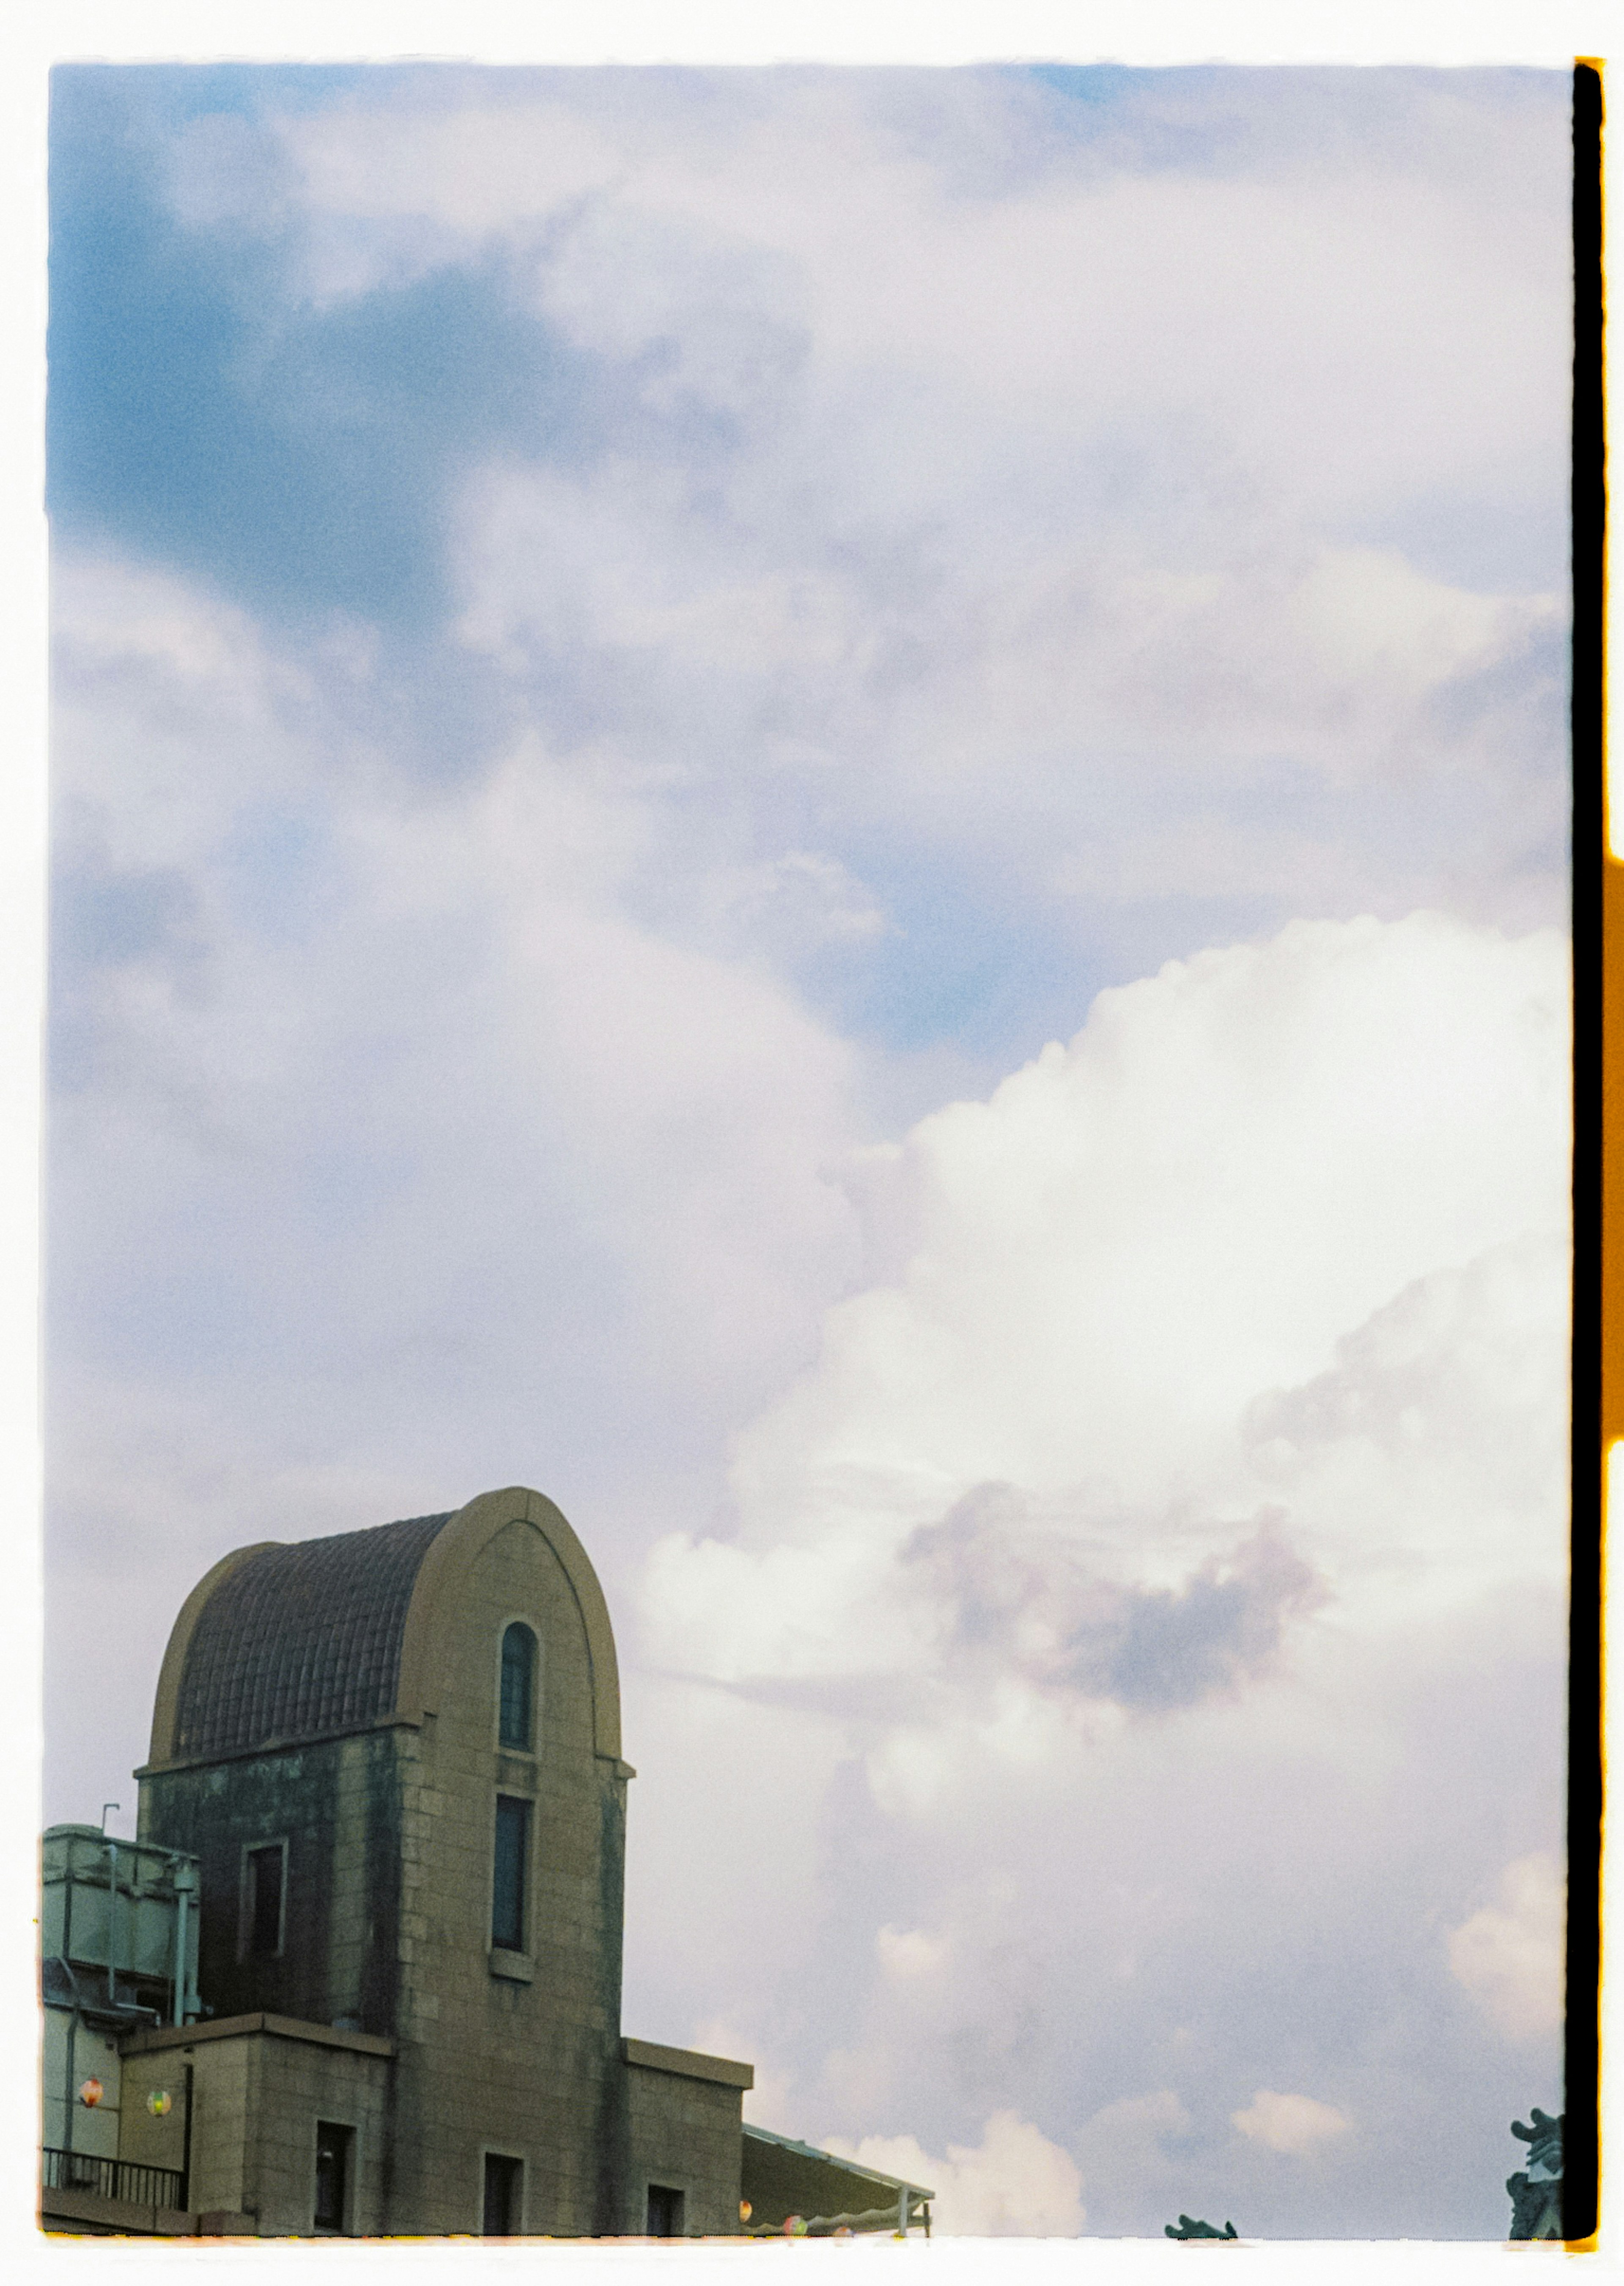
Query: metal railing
point(112, 2178)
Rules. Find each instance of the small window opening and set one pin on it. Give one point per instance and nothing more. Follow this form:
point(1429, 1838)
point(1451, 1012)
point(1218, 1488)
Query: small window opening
point(665, 2212)
point(265, 1867)
point(508, 1886)
point(502, 2180)
point(332, 2175)
point(518, 1688)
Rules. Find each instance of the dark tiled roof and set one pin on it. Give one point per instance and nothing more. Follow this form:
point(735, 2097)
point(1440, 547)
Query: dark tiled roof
point(300, 1641)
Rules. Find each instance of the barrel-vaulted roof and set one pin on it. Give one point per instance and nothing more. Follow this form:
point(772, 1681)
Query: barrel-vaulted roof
point(301, 1640)
point(282, 1643)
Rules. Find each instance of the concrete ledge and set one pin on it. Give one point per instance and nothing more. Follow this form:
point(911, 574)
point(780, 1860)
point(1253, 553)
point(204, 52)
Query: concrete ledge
point(224, 2222)
point(236, 2027)
point(294, 1744)
point(687, 2063)
point(86, 2214)
point(517, 1967)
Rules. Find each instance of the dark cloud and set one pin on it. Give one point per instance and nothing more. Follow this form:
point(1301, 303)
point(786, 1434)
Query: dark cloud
point(1015, 1594)
point(1170, 1647)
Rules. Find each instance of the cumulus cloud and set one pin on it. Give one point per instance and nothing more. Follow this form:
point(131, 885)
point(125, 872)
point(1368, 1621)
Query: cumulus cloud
point(1510, 1955)
point(1295, 2124)
point(1454, 1400)
point(893, 490)
point(936, 180)
point(1283, 1221)
point(1196, 1442)
point(1024, 1601)
point(1105, 1505)
point(1015, 2182)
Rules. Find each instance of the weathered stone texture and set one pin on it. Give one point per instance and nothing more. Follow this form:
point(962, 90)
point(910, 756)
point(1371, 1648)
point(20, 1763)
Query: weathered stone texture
point(684, 2133)
point(391, 1835)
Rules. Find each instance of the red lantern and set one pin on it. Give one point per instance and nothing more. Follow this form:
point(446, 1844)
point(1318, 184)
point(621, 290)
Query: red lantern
point(91, 2093)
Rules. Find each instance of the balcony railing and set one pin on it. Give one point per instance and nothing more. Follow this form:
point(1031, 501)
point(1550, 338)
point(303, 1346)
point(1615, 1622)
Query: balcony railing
point(113, 2179)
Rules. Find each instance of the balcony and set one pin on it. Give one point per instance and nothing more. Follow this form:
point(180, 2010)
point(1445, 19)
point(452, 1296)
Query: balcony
point(113, 2179)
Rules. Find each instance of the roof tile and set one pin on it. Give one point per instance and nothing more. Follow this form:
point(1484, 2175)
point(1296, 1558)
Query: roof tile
point(302, 1640)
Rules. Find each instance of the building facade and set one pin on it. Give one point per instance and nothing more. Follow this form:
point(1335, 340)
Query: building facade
point(393, 1758)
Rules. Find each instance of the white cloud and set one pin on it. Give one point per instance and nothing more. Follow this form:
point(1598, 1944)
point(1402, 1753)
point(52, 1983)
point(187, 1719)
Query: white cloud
point(475, 169)
point(413, 1038)
point(687, 1097)
point(908, 1954)
point(1370, 1393)
point(1172, 1492)
point(1109, 727)
point(1371, 617)
point(1015, 2183)
point(924, 511)
point(1432, 1455)
point(1192, 1324)
point(171, 712)
point(1295, 2124)
point(904, 225)
point(1508, 1955)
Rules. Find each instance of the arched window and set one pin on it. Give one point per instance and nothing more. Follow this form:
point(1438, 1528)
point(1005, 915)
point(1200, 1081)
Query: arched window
point(519, 1687)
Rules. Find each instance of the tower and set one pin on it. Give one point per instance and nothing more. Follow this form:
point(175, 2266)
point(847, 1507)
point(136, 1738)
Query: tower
point(396, 1756)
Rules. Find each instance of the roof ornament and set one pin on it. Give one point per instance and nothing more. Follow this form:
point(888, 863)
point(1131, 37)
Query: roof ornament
point(1536, 2192)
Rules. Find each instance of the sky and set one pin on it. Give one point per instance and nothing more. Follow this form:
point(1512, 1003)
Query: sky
point(829, 808)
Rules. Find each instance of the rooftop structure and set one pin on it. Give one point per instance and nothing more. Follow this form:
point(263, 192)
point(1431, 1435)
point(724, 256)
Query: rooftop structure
point(392, 1760)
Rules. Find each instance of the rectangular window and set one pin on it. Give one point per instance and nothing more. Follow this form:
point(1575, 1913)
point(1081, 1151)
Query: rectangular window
point(502, 2180)
point(518, 1688)
point(332, 2147)
point(508, 1887)
point(265, 1900)
point(665, 2212)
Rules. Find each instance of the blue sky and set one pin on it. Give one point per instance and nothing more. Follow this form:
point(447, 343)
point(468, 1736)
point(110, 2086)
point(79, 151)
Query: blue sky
point(300, 456)
point(830, 807)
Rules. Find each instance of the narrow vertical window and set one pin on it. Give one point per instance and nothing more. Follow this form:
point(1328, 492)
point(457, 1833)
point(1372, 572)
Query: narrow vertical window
point(332, 2175)
point(519, 1687)
point(508, 1887)
point(265, 1900)
point(503, 2178)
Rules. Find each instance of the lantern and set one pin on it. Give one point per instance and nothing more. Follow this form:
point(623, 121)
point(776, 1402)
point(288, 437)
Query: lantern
point(91, 2093)
point(744, 2210)
point(158, 2103)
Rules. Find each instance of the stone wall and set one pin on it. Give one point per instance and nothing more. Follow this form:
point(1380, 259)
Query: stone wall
point(685, 2134)
point(391, 1840)
point(147, 2140)
point(517, 2053)
point(259, 2086)
point(334, 1803)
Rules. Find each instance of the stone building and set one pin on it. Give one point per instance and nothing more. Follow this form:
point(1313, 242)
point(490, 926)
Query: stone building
point(394, 1758)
